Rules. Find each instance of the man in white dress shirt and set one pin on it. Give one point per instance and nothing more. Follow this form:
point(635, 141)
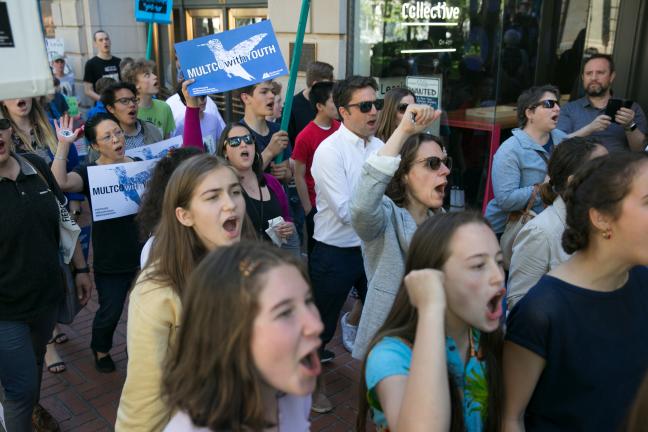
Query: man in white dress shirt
point(336, 264)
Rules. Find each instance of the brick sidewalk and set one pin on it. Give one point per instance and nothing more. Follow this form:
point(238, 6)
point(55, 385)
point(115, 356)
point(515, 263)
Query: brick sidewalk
point(82, 399)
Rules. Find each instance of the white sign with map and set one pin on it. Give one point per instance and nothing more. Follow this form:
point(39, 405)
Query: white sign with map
point(156, 150)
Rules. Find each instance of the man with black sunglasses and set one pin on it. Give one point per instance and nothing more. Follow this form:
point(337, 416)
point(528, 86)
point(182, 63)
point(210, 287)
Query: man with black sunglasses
point(336, 264)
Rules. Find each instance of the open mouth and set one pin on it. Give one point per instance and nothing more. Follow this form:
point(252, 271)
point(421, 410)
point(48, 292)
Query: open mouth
point(311, 363)
point(495, 306)
point(231, 225)
point(119, 149)
point(22, 103)
point(440, 189)
point(245, 154)
point(132, 113)
point(554, 117)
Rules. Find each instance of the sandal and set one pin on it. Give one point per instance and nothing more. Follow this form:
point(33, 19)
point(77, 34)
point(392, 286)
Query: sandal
point(53, 367)
point(60, 338)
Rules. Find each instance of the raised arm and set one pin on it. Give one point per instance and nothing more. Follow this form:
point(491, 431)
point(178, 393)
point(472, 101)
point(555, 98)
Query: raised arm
point(192, 134)
point(421, 401)
point(367, 214)
point(68, 182)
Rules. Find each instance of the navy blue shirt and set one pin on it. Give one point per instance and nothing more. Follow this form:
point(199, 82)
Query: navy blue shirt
point(262, 141)
point(595, 347)
point(580, 113)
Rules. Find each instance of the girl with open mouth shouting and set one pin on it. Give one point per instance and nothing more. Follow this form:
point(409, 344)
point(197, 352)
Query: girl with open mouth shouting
point(436, 360)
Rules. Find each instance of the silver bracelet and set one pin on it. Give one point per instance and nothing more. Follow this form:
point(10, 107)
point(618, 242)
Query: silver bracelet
point(60, 158)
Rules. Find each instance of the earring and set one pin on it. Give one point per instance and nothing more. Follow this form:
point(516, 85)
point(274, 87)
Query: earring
point(607, 234)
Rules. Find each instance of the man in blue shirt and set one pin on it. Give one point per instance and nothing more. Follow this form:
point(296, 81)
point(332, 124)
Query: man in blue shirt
point(586, 116)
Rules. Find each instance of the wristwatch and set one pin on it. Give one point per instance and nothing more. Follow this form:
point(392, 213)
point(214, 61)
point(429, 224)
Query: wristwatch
point(631, 127)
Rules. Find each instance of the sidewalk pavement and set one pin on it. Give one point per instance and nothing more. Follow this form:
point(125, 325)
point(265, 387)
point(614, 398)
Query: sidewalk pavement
point(84, 400)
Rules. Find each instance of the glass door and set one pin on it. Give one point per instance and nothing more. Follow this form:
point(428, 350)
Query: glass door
point(203, 22)
point(239, 17)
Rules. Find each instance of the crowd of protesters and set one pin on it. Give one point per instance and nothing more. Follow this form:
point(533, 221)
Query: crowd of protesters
point(249, 240)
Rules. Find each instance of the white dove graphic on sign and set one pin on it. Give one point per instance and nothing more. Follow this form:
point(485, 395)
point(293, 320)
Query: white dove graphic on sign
point(230, 61)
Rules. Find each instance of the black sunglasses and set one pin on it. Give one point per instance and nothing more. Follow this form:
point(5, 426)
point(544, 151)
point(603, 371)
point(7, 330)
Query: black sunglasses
point(434, 162)
point(4, 124)
point(236, 141)
point(402, 108)
point(547, 103)
point(365, 107)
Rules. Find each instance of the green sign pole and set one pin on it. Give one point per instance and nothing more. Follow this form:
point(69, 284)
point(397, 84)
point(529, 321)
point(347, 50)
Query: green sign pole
point(149, 43)
point(294, 66)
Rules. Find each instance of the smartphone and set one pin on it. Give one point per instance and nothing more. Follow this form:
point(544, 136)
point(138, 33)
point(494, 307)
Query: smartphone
point(614, 105)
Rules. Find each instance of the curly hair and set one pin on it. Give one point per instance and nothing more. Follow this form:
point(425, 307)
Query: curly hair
point(600, 184)
point(210, 373)
point(570, 155)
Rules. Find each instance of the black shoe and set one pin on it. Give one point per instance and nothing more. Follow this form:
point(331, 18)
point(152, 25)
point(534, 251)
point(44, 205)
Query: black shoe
point(326, 355)
point(42, 420)
point(104, 364)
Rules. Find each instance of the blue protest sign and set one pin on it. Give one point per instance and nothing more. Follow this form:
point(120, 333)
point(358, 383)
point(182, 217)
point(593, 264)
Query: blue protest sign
point(153, 11)
point(232, 59)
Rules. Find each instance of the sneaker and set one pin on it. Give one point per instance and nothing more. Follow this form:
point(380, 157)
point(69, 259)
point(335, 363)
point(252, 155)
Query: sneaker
point(326, 355)
point(348, 332)
point(321, 404)
point(42, 420)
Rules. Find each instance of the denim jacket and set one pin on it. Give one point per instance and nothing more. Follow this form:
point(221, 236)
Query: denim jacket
point(518, 164)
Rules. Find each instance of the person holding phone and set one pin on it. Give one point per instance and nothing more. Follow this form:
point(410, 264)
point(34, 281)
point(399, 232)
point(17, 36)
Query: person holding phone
point(619, 124)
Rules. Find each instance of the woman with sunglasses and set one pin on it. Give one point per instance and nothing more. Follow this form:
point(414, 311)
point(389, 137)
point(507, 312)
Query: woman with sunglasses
point(265, 198)
point(395, 103)
point(520, 164)
point(115, 241)
point(400, 187)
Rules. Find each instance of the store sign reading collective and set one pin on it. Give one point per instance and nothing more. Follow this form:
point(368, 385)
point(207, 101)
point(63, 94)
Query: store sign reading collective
point(425, 10)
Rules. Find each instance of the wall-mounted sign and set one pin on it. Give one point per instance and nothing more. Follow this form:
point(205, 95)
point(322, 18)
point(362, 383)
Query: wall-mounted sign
point(426, 10)
point(308, 55)
point(153, 11)
point(427, 90)
point(386, 84)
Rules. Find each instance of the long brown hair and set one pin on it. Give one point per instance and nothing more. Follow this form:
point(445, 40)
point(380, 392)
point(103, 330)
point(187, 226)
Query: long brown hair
point(210, 374)
point(43, 133)
point(397, 189)
point(387, 116)
point(638, 418)
point(176, 248)
point(430, 248)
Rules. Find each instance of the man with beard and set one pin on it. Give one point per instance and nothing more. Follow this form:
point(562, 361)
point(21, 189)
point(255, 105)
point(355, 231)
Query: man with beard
point(586, 116)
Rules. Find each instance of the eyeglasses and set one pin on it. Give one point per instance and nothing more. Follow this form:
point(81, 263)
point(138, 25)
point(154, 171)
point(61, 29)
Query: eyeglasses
point(365, 106)
point(116, 135)
point(547, 103)
point(434, 163)
point(4, 124)
point(127, 101)
point(236, 141)
point(402, 108)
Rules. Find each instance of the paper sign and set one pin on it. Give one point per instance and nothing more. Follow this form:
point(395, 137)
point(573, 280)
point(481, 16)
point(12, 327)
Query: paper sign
point(156, 150)
point(116, 190)
point(54, 46)
point(428, 92)
point(153, 11)
point(232, 59)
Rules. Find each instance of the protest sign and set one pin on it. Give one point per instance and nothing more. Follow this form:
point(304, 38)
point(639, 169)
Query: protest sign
point(156, 150)
point(428, 92)
point(116, 190)
point(232, 59)
point(153, 11)
point(54, 46)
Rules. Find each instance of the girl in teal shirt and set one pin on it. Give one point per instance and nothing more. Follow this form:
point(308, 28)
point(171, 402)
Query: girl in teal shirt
point(435, 363)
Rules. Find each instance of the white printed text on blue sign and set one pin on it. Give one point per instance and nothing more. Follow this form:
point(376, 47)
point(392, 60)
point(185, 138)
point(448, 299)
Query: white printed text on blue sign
point(232, 59)
point(156, 150)
point(116, 190)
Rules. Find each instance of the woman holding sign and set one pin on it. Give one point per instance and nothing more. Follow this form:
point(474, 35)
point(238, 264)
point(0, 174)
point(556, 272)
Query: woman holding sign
point(115, 241)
